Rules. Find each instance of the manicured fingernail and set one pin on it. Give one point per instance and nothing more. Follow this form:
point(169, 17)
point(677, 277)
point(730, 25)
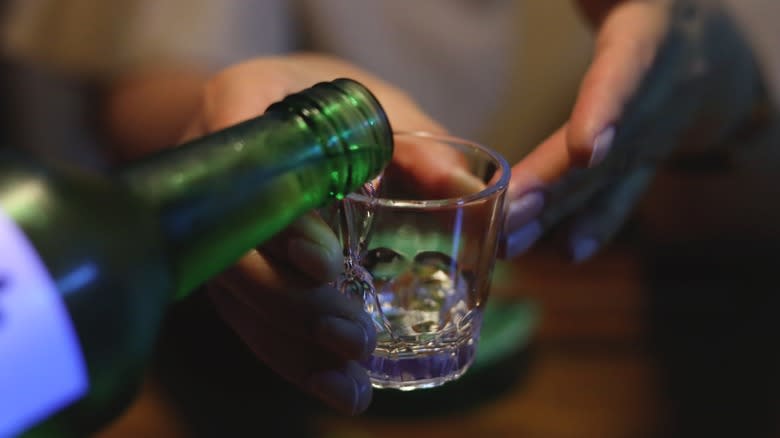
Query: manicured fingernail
point(521, 240)
point(365, 392)
point(583, 249)
point(523, 210)
point(346, 338)
point(601, 146)
point(338, 389)
point(320, 262)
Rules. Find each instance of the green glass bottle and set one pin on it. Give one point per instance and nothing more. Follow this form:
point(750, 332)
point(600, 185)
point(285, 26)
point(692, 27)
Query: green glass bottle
point(89, 263)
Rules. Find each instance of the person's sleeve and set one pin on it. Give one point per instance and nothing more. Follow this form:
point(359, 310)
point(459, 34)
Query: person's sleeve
point(758, 22)
point(98, 36)
point(759, 19)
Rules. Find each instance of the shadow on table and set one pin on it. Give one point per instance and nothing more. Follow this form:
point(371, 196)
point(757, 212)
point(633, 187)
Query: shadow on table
point(715, 329)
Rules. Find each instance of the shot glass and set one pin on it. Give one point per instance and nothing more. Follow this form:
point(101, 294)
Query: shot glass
point(419, 249)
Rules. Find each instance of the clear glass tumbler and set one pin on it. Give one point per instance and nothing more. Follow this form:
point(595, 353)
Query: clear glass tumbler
point(419, 253)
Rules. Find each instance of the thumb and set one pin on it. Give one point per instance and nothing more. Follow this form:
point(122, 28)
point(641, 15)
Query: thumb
point(309, 245)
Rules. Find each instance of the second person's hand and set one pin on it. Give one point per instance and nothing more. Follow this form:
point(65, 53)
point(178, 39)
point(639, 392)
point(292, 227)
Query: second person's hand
point(669, 77)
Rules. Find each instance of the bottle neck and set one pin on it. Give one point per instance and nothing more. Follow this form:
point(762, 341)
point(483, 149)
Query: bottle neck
point(222, 195)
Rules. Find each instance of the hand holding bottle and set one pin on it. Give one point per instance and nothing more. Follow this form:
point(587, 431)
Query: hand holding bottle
point(276, 297)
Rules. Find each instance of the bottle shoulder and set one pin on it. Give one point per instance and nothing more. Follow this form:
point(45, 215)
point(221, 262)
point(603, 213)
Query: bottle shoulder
point(64, 209)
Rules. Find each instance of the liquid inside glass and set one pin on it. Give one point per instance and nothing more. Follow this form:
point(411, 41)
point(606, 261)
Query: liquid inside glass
point(426, 330)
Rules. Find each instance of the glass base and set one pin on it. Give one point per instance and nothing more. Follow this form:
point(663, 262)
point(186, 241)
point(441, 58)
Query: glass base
point(416, 384)
point(502, 361)
point(416, 371)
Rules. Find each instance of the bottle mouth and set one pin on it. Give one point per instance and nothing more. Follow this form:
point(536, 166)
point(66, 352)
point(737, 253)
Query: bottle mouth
point(348, 119)
point(367, 105)
point(495, 172)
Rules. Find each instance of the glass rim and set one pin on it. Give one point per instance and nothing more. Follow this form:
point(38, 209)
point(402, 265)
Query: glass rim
point(490, 190)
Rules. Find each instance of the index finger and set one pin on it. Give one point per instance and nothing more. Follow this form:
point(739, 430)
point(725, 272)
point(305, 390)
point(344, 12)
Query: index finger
point(544, 165)
point(625, 49)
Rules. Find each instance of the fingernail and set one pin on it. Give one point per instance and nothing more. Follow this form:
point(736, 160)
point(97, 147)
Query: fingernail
point(318, 261)
point(583, 249)
point(601, 146)
point(360, 376)
point(344, 337)
point(524, 209)
point(521, 240)
point(338, 389)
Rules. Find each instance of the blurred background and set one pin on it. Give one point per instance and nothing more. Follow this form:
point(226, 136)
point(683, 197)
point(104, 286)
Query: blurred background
point(672, 331)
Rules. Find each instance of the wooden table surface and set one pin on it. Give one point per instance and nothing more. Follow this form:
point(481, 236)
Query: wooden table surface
point(589, 375)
